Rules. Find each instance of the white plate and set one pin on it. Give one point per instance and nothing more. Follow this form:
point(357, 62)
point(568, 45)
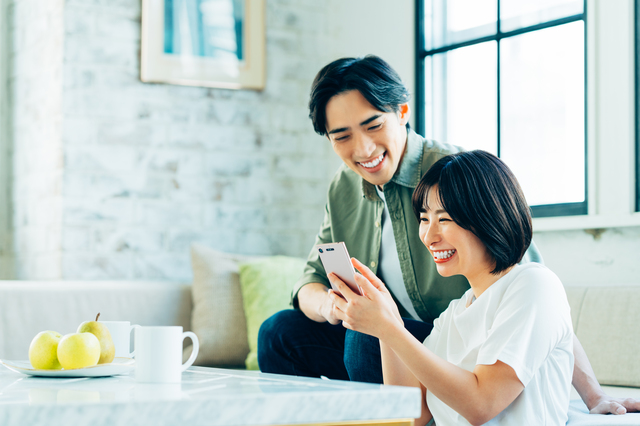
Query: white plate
point(118, 366)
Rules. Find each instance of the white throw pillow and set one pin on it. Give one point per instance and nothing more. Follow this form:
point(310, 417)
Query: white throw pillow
point(218, 316)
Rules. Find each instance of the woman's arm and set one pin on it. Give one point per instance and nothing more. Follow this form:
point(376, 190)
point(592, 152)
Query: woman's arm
point(478, 396)
point(395, 372)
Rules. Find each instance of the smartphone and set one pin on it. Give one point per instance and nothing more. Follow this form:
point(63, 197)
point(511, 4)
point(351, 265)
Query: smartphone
point(335, 258)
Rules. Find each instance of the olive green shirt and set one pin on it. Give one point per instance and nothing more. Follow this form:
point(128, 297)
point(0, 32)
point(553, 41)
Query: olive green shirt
point(353, 214)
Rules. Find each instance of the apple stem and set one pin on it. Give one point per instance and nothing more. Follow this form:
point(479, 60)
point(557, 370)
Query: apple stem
point(97, 316)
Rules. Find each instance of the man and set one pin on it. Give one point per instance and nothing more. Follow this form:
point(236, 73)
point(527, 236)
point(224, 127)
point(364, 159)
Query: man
point(361, 106)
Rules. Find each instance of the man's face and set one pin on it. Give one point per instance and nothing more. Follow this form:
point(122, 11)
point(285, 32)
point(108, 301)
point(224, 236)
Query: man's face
point(369, 141)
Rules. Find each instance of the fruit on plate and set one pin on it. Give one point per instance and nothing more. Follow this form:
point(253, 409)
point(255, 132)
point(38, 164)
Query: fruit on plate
point(43, 351)
point(78, 350)
point(107, 348)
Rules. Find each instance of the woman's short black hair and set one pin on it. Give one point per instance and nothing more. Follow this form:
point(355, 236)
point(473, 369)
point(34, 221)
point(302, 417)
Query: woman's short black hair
point(380, 85)
point(482, 195)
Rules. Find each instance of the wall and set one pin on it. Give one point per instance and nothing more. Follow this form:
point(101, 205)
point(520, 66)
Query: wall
point(380, 27)
point(114, 178)
point(35, 96)
point(579, 258)
point(149, 169)
point(6, 263)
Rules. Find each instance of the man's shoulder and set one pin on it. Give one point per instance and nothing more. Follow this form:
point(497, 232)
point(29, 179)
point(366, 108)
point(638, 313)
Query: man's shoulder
point(434, 150)
point(345, 175)
point(345, 180)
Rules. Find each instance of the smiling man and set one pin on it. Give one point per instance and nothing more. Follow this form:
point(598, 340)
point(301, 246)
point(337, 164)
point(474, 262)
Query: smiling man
point(362, 107)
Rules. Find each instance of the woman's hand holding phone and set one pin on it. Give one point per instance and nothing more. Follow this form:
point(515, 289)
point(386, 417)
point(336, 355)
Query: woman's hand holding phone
point(374, 313)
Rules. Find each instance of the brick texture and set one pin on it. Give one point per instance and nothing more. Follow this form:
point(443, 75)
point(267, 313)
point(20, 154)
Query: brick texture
point(114, 178)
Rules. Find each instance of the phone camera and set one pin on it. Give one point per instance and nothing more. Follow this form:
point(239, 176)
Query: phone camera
point(320, 250)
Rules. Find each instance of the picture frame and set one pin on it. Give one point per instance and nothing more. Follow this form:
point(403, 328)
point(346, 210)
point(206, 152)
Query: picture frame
point(207, 43)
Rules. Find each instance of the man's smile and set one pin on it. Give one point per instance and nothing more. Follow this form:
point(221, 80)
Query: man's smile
point(373, 164)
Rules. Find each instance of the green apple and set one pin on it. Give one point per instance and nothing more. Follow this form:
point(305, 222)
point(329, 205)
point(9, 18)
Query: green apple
point(98, 329)
point(78, 350)
point(43, 351)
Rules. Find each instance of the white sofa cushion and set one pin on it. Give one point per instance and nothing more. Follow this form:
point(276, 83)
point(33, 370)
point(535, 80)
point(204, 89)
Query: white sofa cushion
point(606, 319)
point(28, 307)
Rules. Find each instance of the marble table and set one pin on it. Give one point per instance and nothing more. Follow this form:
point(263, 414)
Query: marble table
point(206, 396)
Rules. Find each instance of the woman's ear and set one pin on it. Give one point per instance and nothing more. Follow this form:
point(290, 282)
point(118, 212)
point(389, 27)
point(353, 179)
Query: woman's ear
point(404, 113)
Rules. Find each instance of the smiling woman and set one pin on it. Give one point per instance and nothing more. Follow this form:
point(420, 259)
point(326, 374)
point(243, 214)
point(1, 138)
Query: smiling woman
point(495, 211)
point(503, 353)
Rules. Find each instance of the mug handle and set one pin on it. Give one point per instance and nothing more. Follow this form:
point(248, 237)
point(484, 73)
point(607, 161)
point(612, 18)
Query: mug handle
point(133, 327)
point(194, 352)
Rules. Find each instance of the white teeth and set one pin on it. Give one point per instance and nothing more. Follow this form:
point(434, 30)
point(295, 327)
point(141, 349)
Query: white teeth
point(374, 162)
point(443, 254)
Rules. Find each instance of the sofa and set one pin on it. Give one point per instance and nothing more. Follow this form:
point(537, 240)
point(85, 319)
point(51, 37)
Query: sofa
point(215, 307)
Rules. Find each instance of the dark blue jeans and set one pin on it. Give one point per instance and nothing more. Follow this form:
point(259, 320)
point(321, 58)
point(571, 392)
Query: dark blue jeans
point(290, 343)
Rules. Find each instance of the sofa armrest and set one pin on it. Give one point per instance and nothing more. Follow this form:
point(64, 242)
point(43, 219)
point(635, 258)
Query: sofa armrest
point(28, 307)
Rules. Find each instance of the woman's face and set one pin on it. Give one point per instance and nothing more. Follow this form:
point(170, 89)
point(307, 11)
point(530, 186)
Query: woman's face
point(455, 250)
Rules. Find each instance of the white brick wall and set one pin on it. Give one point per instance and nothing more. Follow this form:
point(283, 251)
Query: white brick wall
point(35, 93)
point(115, 178)
point(6, 264)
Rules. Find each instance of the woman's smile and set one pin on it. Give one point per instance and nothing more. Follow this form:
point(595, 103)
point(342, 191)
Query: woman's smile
point(442, 256)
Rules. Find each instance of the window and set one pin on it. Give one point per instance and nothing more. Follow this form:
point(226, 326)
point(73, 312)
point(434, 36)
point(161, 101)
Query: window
point(509, 77)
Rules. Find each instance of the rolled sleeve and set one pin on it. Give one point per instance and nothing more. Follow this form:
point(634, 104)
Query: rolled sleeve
point(314, 271)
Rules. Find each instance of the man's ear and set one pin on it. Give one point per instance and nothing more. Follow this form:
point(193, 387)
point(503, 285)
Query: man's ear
point(404, 113)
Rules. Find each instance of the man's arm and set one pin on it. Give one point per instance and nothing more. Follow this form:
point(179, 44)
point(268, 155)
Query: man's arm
point(584, 380)
point(314, 302)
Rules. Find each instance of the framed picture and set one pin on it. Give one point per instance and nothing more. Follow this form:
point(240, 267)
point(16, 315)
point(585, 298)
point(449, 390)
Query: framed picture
point(210, 43)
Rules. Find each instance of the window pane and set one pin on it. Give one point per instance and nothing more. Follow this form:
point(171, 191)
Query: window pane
point(515, 14)
point(542, 112)
point(461, 94)
point(449, 22)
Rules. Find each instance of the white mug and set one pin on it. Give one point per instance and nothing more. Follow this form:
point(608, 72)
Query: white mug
point(159, 353)
point(121, 336)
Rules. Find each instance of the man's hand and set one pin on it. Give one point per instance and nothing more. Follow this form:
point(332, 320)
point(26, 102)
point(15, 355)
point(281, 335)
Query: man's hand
point(584, 380)
point(327, 310)
point(314, 302)
point(610, 405)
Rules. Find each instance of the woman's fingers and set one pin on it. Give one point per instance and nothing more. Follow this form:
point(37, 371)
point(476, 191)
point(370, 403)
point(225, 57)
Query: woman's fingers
point(367, 273)
point(344, 289)
point(365, 285)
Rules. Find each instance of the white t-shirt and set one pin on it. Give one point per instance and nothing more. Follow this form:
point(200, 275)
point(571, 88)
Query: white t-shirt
point(389, 264)
point(523, 320)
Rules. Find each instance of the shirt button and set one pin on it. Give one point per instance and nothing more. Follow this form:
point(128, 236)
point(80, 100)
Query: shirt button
point(373, 264)
point(377, 224)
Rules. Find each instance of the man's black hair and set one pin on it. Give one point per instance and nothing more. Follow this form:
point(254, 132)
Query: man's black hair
point(380, 85)
point(481, 195)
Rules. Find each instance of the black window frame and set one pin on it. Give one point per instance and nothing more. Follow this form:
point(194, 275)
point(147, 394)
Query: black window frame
point(547, 210)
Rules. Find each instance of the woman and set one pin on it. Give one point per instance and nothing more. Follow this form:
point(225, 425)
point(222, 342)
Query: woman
point(503, 353)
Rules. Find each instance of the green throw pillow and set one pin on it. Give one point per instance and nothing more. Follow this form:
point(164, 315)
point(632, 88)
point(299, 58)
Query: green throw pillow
point(266, 289)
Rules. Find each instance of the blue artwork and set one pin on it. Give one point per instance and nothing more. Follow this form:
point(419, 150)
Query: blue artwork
point(205, 28)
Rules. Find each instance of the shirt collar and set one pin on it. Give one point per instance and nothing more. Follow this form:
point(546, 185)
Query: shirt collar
point(409, 172)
